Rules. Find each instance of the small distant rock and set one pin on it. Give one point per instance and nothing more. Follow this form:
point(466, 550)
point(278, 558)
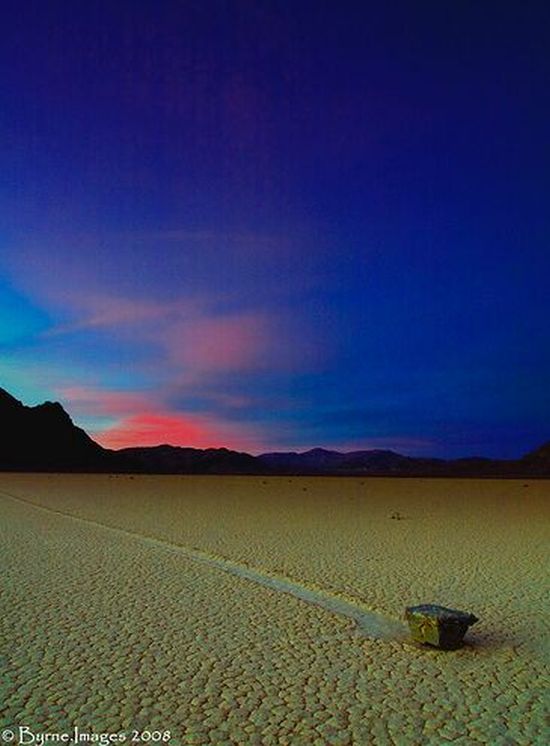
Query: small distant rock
point(396, 516)
point(438, 626)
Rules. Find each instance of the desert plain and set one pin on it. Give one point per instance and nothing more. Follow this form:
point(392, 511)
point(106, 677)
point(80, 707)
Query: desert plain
point(269, 610)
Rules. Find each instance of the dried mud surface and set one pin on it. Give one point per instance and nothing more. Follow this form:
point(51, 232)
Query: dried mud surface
point(244, 610)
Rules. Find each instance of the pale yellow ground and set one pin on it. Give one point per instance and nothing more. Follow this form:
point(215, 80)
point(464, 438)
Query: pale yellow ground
point(108, 632)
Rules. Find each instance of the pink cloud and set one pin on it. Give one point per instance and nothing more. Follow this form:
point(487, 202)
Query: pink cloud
point(186, 334)
point(220, 343)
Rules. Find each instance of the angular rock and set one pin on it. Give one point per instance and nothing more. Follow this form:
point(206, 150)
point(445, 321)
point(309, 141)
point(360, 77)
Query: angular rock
point(438, 626)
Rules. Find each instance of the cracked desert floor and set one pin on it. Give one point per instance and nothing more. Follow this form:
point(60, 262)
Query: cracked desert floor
point(267, 610)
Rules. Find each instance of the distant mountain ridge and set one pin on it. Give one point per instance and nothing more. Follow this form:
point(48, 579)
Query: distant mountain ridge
point(167, 459)
point(44, 438)
point(321, 459)
point(389, 463)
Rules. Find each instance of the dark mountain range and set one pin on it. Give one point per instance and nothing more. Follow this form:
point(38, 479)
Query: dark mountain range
point(353, 462)
point(175, 460)
point(388, 463)
point(44, 438)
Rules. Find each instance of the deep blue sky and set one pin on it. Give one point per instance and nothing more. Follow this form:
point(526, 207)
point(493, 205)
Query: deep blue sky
point(274, 225)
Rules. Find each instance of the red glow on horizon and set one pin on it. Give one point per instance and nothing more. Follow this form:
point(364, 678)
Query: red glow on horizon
point(158, 429)
point(142, 419)
point(147, 429)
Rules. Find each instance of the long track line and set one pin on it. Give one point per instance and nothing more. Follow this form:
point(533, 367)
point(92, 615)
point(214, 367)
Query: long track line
point(369, 623)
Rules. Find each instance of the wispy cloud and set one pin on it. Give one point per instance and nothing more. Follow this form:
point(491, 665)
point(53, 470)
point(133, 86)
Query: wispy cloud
point(85, 400)
point(213, 344)
point(116, 313)
point(191, 336)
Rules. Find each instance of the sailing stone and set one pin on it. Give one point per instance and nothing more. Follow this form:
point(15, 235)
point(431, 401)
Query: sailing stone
point(438, 626)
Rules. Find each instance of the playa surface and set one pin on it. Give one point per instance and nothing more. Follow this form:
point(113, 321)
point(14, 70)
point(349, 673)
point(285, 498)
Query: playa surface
point(258, 610)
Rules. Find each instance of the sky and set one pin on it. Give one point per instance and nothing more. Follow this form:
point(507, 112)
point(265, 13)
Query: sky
point(274, 226)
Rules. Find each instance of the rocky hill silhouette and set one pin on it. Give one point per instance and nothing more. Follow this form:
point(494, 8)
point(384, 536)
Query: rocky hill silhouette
point(44, 438)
